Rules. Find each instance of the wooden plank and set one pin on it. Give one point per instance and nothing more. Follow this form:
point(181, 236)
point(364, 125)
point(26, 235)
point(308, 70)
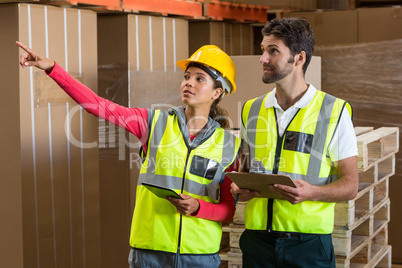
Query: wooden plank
point(369, 176)
point(386, 167)
point(362, 130)
point(238, 218)
point(383, 258)
point(381, 191)
point(234, 240)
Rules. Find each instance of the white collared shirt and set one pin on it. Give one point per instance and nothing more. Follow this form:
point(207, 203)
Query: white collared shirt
point(343, 143)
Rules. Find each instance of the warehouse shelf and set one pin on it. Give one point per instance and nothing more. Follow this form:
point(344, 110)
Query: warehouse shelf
point(175, 7)
point(96, 5)
point(238, 12)
point(193, 9)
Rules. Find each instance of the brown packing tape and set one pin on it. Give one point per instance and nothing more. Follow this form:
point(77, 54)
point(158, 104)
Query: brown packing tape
point(47, 91)
point(156, 89)
point(396, 12)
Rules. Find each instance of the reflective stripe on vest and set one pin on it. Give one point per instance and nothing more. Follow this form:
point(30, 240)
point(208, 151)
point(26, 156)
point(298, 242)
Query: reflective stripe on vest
point(197, 172)
point(300, 153)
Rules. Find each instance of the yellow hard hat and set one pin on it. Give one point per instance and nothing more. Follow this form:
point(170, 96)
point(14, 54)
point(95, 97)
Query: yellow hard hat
point(213, 56)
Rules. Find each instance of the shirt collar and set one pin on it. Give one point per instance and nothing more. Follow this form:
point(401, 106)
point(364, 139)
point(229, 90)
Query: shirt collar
point(271, 101)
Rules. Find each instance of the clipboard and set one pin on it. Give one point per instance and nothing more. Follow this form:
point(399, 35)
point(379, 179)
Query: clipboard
point(260, 182)
point(161, 192)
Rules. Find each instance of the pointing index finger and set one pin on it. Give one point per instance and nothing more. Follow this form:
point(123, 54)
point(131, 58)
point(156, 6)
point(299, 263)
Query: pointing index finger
point(21, 45)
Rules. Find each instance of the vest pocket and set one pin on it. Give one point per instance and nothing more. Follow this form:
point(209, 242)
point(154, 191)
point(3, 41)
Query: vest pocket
point(203, 167)
point(298, 142)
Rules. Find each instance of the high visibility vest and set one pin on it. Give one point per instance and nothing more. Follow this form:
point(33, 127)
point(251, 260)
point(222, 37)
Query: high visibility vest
point(172, 163)
point(301, 153)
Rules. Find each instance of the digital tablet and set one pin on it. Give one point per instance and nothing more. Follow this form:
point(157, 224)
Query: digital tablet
point(160, 191)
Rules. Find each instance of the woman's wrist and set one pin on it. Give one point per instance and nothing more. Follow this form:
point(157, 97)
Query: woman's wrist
point(50, 67)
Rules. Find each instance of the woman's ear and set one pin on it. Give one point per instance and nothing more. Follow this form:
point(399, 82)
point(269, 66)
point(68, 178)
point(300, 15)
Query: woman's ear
point(217, 93)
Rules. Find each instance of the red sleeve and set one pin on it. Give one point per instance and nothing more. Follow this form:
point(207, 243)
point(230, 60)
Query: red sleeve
point(132, 119)
point(225, 209)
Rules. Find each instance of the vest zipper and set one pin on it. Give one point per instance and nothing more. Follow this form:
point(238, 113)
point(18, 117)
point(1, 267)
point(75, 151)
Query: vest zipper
point(275, 169)
point(182, 187)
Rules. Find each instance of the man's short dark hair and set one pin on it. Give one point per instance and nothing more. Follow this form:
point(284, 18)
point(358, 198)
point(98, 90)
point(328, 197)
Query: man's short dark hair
point(296, 33)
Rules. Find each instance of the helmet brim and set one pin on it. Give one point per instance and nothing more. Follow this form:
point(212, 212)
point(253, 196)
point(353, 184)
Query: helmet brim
point(183, 64)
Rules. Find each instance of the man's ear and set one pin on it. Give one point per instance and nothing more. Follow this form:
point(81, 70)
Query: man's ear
point(217, 93)
point(301, 58)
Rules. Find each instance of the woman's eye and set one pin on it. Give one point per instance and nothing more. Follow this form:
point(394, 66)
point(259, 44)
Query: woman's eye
point(200, 79)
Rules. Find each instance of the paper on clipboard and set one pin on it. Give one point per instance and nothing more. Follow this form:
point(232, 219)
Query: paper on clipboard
point(260, 182)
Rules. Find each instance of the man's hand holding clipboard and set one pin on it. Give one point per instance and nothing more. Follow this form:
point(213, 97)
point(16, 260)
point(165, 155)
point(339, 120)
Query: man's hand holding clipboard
point(256, 185)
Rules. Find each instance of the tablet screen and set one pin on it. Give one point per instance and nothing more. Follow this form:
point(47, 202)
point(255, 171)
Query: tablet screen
point(160, 191)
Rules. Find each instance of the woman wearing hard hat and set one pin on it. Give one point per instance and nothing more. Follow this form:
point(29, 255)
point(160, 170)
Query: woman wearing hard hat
point(184, 150)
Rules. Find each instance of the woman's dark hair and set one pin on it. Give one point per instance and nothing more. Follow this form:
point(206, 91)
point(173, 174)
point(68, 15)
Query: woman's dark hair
point(296, 33)
point(216, 112)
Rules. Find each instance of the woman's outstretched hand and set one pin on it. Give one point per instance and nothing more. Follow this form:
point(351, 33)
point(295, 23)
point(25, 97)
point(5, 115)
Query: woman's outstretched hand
point(31, 58)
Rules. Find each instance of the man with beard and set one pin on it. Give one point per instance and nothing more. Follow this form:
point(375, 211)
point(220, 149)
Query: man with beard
point(307, 134)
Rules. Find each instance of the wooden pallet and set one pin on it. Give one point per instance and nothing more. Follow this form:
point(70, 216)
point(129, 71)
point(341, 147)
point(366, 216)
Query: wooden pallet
point(374, 253)
point(348, 243)
point(376, 145)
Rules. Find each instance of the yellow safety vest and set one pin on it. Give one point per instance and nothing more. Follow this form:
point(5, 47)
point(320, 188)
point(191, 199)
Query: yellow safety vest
point(301, 153)
point(195, 171)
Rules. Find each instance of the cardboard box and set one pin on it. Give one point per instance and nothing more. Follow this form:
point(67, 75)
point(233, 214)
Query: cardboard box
point(354, 26)
point(137, 68)
point(331, 27)
point(49, 188)
point(233, 38)
point(249, 84)
point(335, 4)
point(379, 24)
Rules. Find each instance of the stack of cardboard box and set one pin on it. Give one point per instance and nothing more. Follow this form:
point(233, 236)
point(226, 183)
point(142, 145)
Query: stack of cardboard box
point(49, 183)
point(353, 26)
